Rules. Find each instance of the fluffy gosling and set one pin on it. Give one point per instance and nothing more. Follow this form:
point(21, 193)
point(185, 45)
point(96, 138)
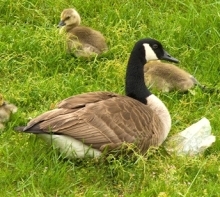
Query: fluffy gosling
point(82, 41)
point(6, 109)
point(168, 77)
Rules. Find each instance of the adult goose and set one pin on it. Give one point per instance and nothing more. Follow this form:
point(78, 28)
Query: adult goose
point(82, 41)
point(90, 123)
point(168, 77)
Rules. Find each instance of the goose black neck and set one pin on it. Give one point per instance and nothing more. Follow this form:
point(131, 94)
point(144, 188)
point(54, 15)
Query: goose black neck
point(134, 83)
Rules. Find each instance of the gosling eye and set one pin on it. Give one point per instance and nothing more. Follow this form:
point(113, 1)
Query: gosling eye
point(155, 46)
point(67, 18)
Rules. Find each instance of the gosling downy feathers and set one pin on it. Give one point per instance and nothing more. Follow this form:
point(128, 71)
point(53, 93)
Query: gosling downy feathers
point(6, 109)
point(90, 123)
point(168, 77)
point(81, 41)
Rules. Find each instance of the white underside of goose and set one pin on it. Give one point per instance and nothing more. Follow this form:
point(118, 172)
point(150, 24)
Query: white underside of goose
point(70, 147)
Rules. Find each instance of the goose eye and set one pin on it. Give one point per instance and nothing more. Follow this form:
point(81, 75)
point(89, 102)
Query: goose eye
point(67, 18)
point(154, 46)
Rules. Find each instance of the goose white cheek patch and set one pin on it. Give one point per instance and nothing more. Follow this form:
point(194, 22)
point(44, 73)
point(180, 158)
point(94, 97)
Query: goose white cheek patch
point(149, 53)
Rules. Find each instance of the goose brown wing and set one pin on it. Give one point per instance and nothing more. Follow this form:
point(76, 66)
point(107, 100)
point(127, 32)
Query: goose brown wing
point(70, 105)
point(107, 122)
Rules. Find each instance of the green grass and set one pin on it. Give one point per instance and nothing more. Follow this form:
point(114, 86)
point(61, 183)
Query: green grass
point(36, 72)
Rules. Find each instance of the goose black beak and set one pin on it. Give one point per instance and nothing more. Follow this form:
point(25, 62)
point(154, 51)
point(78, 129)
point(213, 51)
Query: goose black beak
point(61, 23)
point(168, 57)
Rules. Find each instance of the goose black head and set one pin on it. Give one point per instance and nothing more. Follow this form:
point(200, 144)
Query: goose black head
point(144, 50)
point(154, 50)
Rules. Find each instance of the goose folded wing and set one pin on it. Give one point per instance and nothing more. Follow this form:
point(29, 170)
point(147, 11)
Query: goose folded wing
point(70, 105)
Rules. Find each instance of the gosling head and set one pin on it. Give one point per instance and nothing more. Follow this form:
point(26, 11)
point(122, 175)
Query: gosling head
point(69, 17)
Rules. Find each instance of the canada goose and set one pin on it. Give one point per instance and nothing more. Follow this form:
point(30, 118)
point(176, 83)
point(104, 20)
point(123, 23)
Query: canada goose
point(89, 123)
point(6, 109)
point(168, 77)
point(82, 41)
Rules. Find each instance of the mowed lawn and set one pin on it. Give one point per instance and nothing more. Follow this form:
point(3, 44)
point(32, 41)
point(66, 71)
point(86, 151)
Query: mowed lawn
point(36, 73)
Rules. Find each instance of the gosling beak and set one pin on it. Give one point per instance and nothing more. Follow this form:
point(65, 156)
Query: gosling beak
point(168, 57)
point(61, 23)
